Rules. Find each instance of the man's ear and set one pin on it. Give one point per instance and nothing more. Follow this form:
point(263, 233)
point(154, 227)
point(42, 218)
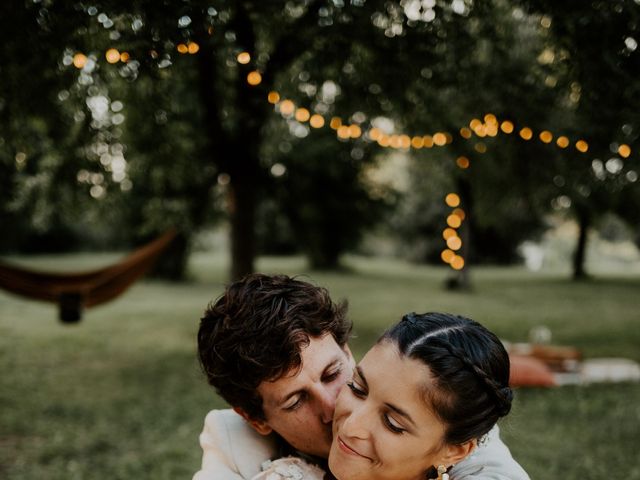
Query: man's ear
point(454, 453)
point(260, 426)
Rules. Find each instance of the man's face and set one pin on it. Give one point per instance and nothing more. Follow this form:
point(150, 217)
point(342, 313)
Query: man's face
point(299, 405)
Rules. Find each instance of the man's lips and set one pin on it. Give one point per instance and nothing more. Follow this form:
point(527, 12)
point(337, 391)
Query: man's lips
point(348, 450)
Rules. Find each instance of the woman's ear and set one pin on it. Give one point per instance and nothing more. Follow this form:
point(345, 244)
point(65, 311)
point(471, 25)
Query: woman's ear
point(260, 426)
point(455, 453)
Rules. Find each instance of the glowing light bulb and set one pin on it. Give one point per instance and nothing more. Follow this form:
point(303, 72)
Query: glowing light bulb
point(582, 146)
point(562, 142)
point(546, 136)
point(492, 130)
point(452, 200)
point(428, 141)
point(457, 262)
point(287, 107)
point(624, 151)
point(417, 142)
point(112, 55)
point(454, 221)
point(439, 139)
point(460, 213)
point(384, 140)
point(375, 133)
point(302, 114)
point(243, 58)
point(490, 119)
point(526, 133)
point(316, 121)
point(447, 233)
point(273, 97)
point(454, 243)
point(465, 133)
point(254, 78)
point(79, 60)
point(343, 132)
point(463, 163)
point(193, 48)
point(506, 127)
point(355, 131)
point(447, 255)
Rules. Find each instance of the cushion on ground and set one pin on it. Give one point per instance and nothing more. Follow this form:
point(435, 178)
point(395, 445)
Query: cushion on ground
point(529, 371)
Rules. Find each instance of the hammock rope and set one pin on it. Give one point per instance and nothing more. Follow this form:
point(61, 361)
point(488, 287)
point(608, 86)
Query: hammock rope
point(78, 290)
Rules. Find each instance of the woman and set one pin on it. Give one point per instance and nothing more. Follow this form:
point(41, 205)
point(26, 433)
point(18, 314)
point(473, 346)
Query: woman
point(419, 401)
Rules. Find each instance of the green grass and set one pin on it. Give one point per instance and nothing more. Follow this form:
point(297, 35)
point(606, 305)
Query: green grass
point(120, 396)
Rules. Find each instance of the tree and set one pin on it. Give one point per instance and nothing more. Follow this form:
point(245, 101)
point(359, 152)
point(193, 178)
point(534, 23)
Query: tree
point(496, 87)
point(242, 51)
point(596, 43)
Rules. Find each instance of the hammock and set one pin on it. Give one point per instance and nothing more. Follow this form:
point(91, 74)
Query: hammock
point(75, 291)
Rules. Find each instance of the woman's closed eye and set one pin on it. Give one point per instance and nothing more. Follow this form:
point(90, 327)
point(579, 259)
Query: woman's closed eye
point(391, 424)
point(357, 389)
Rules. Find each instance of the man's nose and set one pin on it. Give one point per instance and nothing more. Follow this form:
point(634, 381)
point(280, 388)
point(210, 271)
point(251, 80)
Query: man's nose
point(326, 404)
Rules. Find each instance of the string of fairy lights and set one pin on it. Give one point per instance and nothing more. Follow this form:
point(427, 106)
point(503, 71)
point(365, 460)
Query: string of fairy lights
point(489, 126)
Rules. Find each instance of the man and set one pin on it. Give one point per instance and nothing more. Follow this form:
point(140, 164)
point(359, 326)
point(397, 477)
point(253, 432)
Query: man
point(275, 348)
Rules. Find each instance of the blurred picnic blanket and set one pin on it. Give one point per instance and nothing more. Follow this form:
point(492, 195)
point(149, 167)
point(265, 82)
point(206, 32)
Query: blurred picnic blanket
point(554, 365)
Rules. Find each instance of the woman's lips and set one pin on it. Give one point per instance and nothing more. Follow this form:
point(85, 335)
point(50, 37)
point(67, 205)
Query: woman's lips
point(348, 450)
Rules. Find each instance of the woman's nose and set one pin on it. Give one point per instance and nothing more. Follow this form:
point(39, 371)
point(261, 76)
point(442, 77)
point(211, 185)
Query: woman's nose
point(356, 423)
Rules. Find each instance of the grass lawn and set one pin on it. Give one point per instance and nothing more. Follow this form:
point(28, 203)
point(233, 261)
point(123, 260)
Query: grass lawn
point(120, 396)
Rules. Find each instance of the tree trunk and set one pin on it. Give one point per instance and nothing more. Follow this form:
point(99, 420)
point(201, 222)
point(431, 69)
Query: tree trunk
point(237, 157)
point(172, 264)
point(460, 279)
point(584, 222)
point(242, 210)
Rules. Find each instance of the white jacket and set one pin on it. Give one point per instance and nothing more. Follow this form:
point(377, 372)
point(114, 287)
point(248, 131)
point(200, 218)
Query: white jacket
point(232, 450)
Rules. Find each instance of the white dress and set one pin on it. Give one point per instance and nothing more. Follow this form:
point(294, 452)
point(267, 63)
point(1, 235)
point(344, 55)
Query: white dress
point(289, 468)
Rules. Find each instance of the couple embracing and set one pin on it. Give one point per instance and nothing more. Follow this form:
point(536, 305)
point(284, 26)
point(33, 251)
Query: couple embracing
point(422, 403)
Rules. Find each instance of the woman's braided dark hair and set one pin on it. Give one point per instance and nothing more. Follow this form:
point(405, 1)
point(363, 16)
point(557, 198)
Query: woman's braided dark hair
point(469, 368)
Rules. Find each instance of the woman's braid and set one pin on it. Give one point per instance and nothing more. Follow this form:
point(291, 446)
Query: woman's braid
point(503, 394)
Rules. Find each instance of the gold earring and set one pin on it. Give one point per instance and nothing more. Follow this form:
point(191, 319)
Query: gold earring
point(442, 473)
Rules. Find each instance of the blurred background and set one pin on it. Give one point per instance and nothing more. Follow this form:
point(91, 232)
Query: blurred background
point(473, 156)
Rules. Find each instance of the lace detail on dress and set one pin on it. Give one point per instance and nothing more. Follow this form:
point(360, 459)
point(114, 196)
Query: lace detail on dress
point(289, 468)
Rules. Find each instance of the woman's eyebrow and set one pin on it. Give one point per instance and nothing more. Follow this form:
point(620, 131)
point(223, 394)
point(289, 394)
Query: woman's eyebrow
point(360, 373)
point(390, 406)
point(400, 412)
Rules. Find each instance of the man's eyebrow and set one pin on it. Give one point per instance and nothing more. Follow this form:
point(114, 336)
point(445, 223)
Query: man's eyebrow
point(333, 363)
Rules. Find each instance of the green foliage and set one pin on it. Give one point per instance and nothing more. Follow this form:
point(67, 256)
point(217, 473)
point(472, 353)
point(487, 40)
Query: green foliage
point(107, 153)
point(318, 189)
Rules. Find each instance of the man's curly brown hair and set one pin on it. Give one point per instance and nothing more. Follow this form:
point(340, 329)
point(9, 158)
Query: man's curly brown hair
point(256, 330)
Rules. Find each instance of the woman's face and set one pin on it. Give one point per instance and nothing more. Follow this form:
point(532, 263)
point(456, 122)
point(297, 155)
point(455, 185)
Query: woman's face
point(383, 427)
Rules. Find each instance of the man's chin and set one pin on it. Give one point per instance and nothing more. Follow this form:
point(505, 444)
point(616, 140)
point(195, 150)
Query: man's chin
point(320, 450)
